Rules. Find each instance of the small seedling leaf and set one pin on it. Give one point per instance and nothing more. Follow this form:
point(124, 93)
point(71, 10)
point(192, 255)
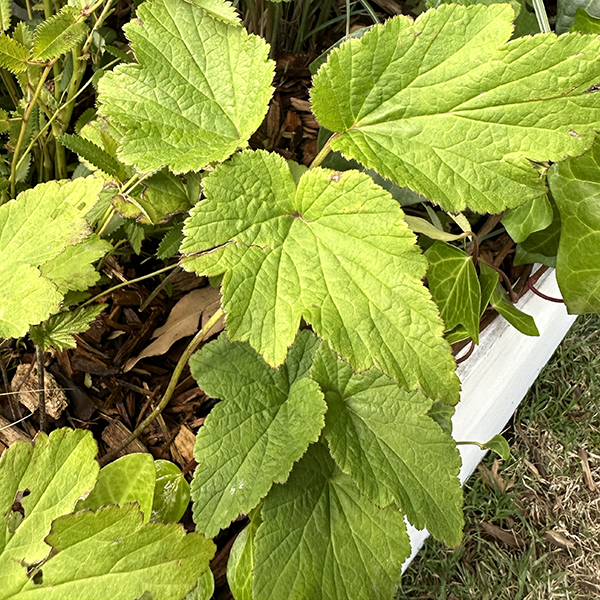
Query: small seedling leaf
point(128, 479)
point(171, 493)
point(455, 287)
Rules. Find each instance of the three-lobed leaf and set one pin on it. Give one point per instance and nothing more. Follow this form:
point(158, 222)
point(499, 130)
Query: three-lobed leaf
point(330, 250)
point(447, 107)
point(575, 186)
point(200, 90)
point(264, 423)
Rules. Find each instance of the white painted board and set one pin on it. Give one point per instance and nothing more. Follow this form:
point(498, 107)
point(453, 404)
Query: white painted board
point(497, 376)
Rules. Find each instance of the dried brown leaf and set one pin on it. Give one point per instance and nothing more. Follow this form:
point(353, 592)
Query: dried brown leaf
point(182, 322)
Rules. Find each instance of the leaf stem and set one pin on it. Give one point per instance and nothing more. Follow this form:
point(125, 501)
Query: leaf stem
point(325, 150)
point(126, 283)
point(181, 364)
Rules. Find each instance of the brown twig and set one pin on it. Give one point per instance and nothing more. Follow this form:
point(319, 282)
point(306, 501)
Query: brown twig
point(161, 286)
point(181, 364)
point(12, 402)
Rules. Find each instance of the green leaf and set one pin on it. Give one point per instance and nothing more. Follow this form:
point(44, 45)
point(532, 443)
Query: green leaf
point(383, 437)
point(517, 318)
point(329, 251)
point(442, 414)
point(534, 215)
point(240, 565)
point(44, 481)
point(73, 269)
point(575, 186)
point(585, 23)
point(13, 55)
point(35, 228)
point(451, 110)
point(164, 195)
point(112, 554)
point(5, 15)
point(59, 34)
point(264, 423)
point(92, 154)
point(58, 331)
point(196, 97)
point(127, 479)
point(567, 11)
point(205, 588)
point(541, 246)
point(498, 445)
point(488, 279)
point(423, 226)
point(169, 245)
point(322, 539)
point(171, 493)
point(455, 288)
point(219, 9)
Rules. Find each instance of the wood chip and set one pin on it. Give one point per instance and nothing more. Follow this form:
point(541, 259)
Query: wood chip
point(115, 433)
point(509, 538)
point(184, 442)
point(26, 380)
point(301, 105)
point(558, 539)
point(587, 472)
point(9, 433)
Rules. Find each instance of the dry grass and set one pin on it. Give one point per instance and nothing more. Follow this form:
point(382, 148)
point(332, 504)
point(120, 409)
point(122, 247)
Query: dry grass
point(533, 523)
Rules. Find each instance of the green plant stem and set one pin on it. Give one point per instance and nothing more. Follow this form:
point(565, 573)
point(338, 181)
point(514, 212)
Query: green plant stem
point(39, 355)
point(325, 150)
point(97, 24)
point(38, 89)
point(126, 283)
point(29, 11)
point(542, 17)
point(181, 364)
point(370, 10)
point(55, 116)
point(157, 290)
point(348, 15)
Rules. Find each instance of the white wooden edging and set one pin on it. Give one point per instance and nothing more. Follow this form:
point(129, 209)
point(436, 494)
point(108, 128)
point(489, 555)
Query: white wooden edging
point(497, 376)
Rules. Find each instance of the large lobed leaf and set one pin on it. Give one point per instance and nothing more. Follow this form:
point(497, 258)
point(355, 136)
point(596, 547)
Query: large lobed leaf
point(44, 229)
point(252, 438)
point(575, 186)
point(446, 107)
point(333, 250)
point(47, 553)
point(200, 90)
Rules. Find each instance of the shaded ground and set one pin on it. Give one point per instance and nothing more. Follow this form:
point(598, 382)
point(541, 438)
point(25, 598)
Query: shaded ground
point(533, 523)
